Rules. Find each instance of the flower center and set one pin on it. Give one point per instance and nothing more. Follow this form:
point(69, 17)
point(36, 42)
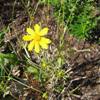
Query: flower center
point(37, 37)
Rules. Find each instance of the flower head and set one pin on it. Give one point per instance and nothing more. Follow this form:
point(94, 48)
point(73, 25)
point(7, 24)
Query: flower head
point(36, 38)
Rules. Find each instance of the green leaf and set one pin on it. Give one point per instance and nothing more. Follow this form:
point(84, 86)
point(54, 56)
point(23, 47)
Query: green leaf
point(33, 70)
point(7, 61)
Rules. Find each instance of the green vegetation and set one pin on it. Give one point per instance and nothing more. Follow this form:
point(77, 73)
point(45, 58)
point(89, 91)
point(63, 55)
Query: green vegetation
point(78, 16)
point(46, 72)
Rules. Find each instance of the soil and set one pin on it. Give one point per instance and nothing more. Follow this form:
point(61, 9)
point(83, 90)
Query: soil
point(83, 56)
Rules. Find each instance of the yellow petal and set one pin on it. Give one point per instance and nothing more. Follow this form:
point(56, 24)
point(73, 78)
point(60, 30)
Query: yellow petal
point(30, 31)
point(45, 40)
point(43, 45)
point(27, 37)
point(31, 45)
point(37, 47)
point(44, 31)
point(37, 28)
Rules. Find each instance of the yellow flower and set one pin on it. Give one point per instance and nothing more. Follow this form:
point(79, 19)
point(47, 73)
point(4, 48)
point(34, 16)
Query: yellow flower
point(36, 38)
